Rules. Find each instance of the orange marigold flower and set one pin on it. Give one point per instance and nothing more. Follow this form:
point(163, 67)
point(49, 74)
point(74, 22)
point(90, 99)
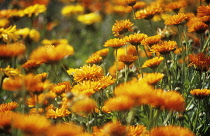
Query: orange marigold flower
point(205, 19)
point(176, 5)
point(148, 12)
point(32, 64)
point(112, 69)
point(13, 83)
point(203, 11)
point(129, 50)
point(164, 48)
point(171, 130)
point(198, 27)
point(6, 119)
point(119, 103)
point(34, 10)
point(151, 40)
point(135, 39)
point(200, 93)
point(94, 59)
point(135, 130)
point(139, 5)
point(57, 112)
point(199, 61)
point(86, 105)
point(127, 59)
point(103, 52)
point(31, 124)
point(115, 43)
point(122, 26)
point(12, 50)
point(114, 128)
point(152, 78)
point(52, 54)
point(8, 106)
point(176, 19)
point(10, 72)
point(130, 2)
point(153, 63)
point(60, 88)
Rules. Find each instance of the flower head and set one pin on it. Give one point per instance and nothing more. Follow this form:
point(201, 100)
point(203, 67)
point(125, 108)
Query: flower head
point(89, 18)
point(115, 43)
point(9, 34)
point(200, 93)
point(135, 130)
point(8, 106)
point(165, 47)
point(122, 26)
point(198, 27)
point(72, 9)
point(136, 38)
point(203, 11)
point(151, 40)
point(199, 61)
point(34, 10)
point(176, 19)
point(127, 59)
point(153, 63)
point(94, 59)
point(176, 5)
point(130, 2)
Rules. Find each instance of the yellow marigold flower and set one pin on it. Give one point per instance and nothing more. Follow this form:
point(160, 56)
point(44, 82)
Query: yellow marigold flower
point(152, 78)
point(130, 2)
point(148, 12)
point(121, 9)
point(112, 70)
point(42, 99)
point(8, 106)
point(199, 61)
point(103, 52)
point(127, 59)
point(12, 50)
point(71, 71)
point(153, 63)
point(114, 128)
point(135, 130)
point(57, 112)
point(34, 35)
point(54, 42)
point(129, 50)
point(10, 72)
point(86, 105)
point(139, 5)
point(164, 48)
point(4, 22)
point(94, 59)
point(32, 64)
point(72, 9)
point(171, 130)
point(151, 40)
point(89, 18)
point(24, 32)
point(122, 26)
point(176, 19)
point(135, 39)
point(119, 103)
point(52, 54)
point(198, 27)
point(8, 34)
point(87, 72)
point(176, 5)
point(115, 43)
point(33, 124)
point(61, 88)
point(35, 111)
point(10, 13)
point(64, 129)
point(200, 93)
point(203, 11)
point(34, 10)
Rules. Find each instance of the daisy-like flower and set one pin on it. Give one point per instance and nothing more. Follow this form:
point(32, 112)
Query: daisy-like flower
point(115, 43)
point(32, 64)
point(94, 59)
point(127, 59)
point(87, 72)
point(8, 34)
point(12, 50)
point(200, 93)
point(176, 19)
point(54, 42)
point(148, 12)
point(8, 106)
point(54, 113)
point(139, 5)
point(152, 78)
point(6, 119)
point(203, 11)
point(10, 72)
point(152, 63)
point(164, 48)
point(151, 40)
point(135, 39)
point(171, 130)
point(103, 52)
point(12, 83)
point(176, 5)
point(122, 26)
point(34, 10)
point(199, 61)
point(130, 2)
point(72, 9)
point(135, 130)
point(198, 27)
point(89, 18)
point(114, 128)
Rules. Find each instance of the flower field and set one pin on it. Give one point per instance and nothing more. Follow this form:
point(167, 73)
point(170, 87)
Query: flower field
point(104, 68)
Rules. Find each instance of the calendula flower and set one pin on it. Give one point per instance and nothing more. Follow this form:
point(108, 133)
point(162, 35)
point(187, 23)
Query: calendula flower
point(94, 59)
point(127, 59)
point(205, 19)
point(164, 47)
point(60, 88)
point(8, 34)
point(87, 72)
point(6, 119)
point(121, 27)
point(136, 130)
point(35, 111)
point(57, 112)
point(31, 64)
point(121, 9)
point(72, 9)
point(203, 11)
point(10, 72)
point(89, 18)
point(103, 52)
point(52, 54)
point(152, 63)
point(115, 43)
point(8, 106)
point(34, 35)
point(152, 78)
point(139, 5)
point(176, 19)
point(34, 10)
point(114, 128)
point(151, 40)
point(199, 61)
point(200, 93)
point(54, 42)
point(112, 70)
point(4, 22)
point(171, 130)
point(12, 83)
point(135, 39)
point(130, 2)
point(42, 99)
point(31, 124)
point(148, 12)
point(86, 105)
point(198, 27)
point(128, 50)
point(176, 5)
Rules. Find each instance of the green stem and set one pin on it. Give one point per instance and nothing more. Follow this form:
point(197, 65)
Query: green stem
point(139, 61)
point(206, 44)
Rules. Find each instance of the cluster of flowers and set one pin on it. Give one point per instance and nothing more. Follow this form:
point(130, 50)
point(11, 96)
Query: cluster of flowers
point(148, 90)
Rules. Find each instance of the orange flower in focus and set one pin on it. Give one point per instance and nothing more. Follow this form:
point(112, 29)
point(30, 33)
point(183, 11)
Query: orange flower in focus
point(152, 63)
point(198, 27)
point(171, 131)
point(122, 26)
point(164, 48)
point(135, 39)
point(8, 106)
point(176, 19)
point(200, 93)
point(115, 43)
point(199, 61)
point(151, 40)
point(203, 11)
point(127, 59)
point(51, 54)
